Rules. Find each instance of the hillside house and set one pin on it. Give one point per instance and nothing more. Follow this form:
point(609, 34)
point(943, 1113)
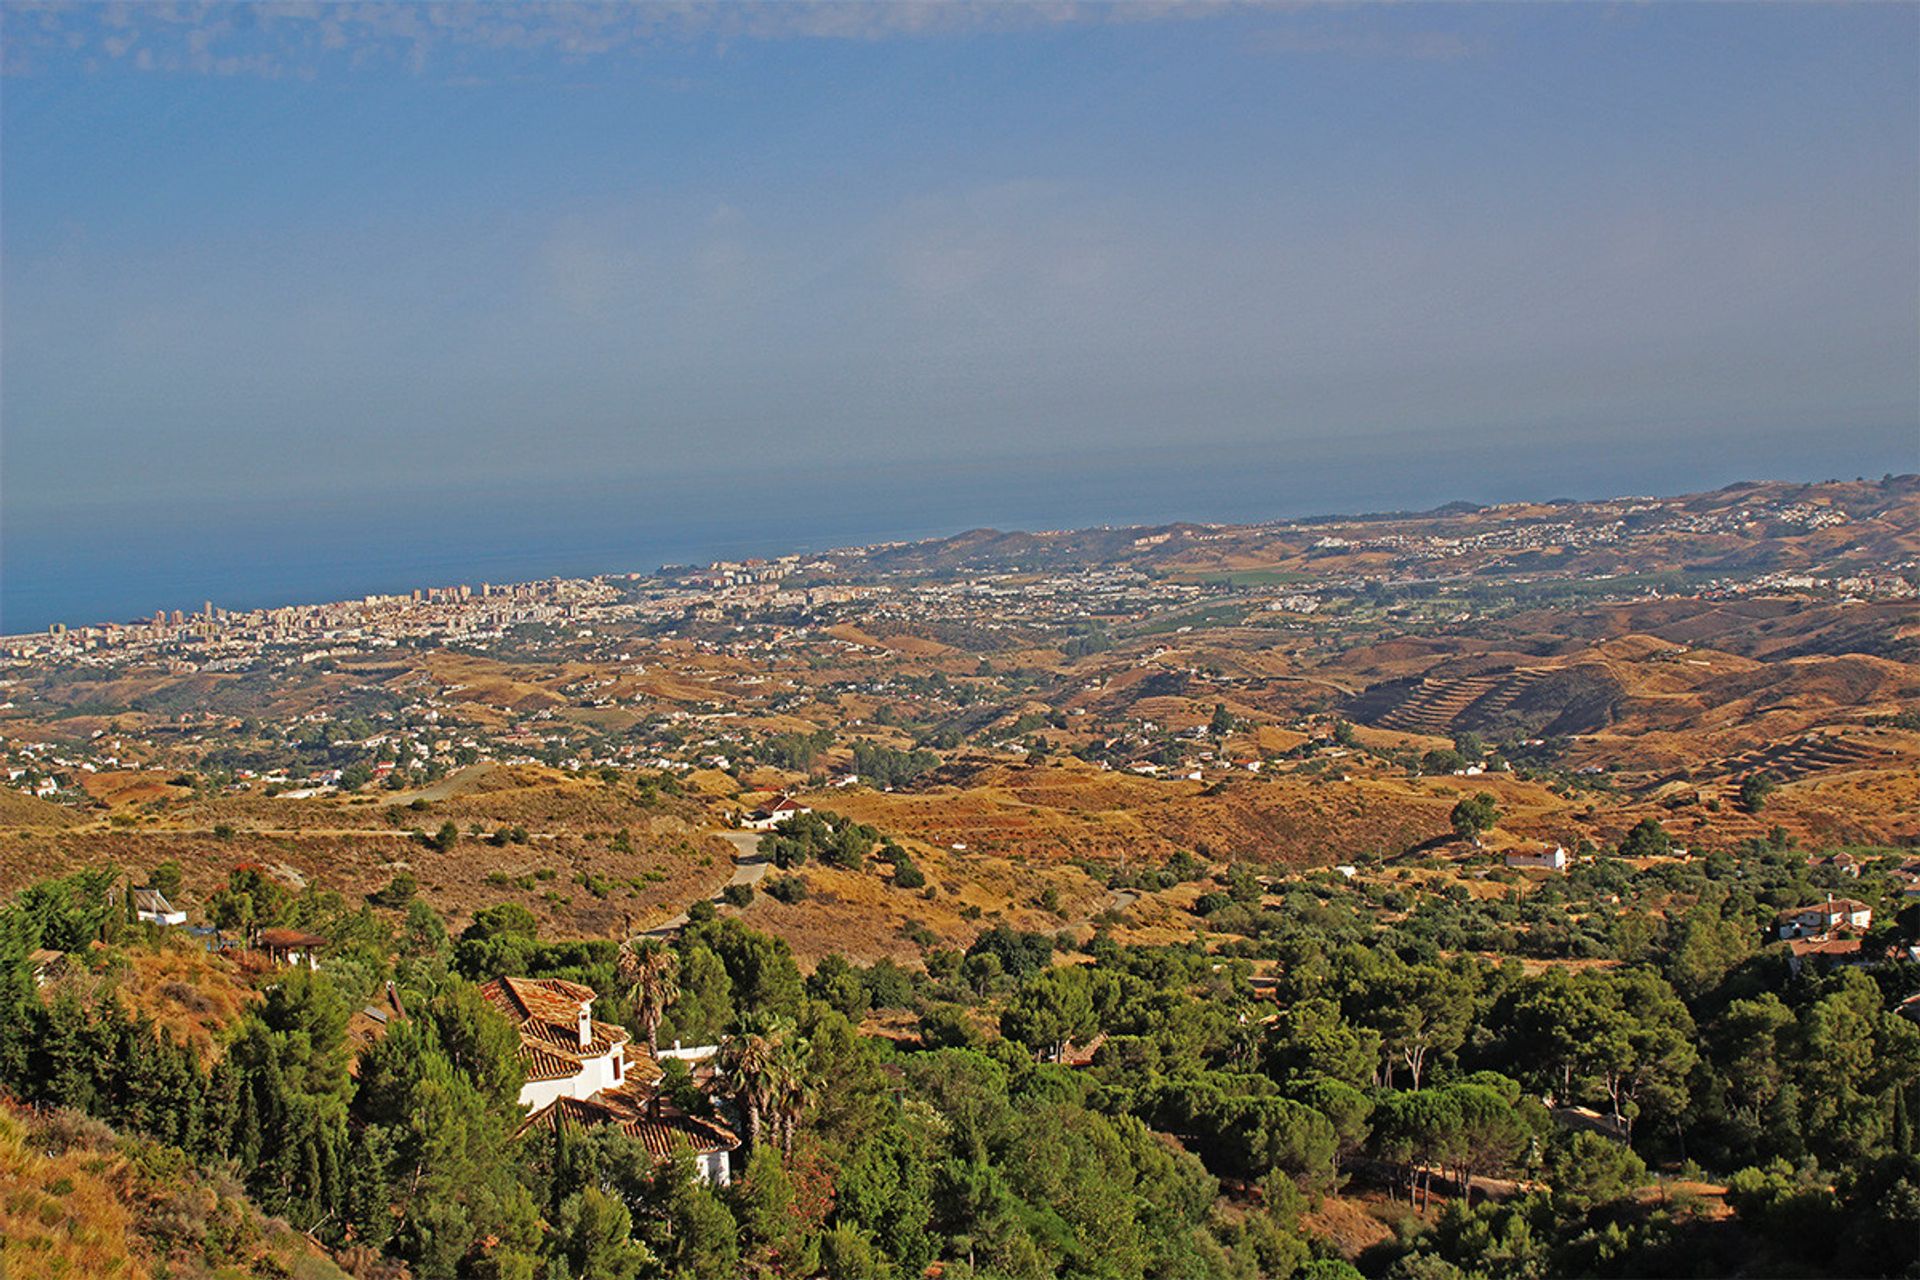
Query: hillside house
point(1843, 862)
point(566, 1053)
point(1545, 858)
point(291, 947)
point(641, 1113)
point(579, 1073)
point(152, 906)
point(774, 814)
point(1822, 919)
point(1834, 951)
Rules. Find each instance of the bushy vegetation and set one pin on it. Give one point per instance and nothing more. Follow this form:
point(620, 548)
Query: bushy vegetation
point(822, 837)
point(883, 766)
point(1142, 1112)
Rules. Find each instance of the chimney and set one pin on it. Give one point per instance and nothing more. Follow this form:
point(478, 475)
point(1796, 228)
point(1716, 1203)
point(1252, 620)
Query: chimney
point(586, 1023)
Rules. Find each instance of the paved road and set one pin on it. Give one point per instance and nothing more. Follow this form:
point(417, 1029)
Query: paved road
point(748, 868)
point(748, 865)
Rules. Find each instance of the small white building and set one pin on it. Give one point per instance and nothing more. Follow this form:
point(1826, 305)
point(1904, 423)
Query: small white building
point(152, 906)
point(1545, 858)
point(774, 814)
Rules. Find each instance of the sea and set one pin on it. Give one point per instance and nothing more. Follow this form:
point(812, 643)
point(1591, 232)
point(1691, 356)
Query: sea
point(120, 561)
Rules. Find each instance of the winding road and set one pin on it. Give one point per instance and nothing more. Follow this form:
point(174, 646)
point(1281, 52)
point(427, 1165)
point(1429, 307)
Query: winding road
point(748, 868)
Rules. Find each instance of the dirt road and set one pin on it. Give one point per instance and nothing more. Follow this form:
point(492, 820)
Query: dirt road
point(748, 868)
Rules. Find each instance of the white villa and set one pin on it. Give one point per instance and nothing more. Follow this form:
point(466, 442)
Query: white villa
point(579, 1074)
point(567, 1054)
point(1822, 919)
point(774, 814)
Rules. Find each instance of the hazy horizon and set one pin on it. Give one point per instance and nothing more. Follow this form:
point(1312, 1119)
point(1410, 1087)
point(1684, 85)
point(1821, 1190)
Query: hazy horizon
point(303, 565)
point(296, 298)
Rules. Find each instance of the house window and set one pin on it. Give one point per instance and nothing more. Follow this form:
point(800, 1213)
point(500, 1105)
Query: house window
point(617, 1064)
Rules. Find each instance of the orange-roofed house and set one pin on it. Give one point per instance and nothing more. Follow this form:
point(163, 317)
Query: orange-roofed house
point(567, 1053)
point(641, 1113)
point(581, 1073)
point(774, 814)
point(1823, 918)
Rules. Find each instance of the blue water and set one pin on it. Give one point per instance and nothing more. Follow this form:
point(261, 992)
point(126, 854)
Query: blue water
point(124, 562)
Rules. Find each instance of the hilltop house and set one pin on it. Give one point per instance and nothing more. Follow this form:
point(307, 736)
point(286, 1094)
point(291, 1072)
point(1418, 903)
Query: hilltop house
point(579, 1074)
point(774, 814)
point(1820, 920)
point(1547, 857)
point(152, 906)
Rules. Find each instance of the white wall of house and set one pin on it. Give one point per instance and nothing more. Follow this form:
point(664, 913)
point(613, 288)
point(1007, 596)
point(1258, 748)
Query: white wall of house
point(607, 1071)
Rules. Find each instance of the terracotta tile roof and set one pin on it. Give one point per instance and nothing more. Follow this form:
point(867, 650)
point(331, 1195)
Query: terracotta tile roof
point(293, 938)
point(1825, 946)
point(1081, 1055)
point(554, 999)
point(544, 1064)
point(631, 1109)
point(546, 1013)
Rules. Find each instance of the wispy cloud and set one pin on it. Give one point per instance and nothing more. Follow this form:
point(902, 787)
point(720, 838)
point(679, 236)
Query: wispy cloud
point(1396, 43)
point(289, 39)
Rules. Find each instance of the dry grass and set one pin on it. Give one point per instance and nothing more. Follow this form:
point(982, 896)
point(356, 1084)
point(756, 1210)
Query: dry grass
point(862, 915)
point(19, 811)
point(125, 788)
point(189, 993)
point(670, 864)
point(77, 1203)
point(62, 1217)
point(1346, 1225)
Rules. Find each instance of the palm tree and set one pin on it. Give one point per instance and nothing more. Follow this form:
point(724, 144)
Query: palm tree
point(750, 1063)
point(651, 972)
point(790, 1088)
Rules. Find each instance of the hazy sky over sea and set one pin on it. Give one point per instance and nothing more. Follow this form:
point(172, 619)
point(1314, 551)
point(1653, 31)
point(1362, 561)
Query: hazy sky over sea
point(334, 294)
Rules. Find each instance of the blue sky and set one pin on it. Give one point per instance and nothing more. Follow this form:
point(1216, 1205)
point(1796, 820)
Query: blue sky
point(298, 267)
